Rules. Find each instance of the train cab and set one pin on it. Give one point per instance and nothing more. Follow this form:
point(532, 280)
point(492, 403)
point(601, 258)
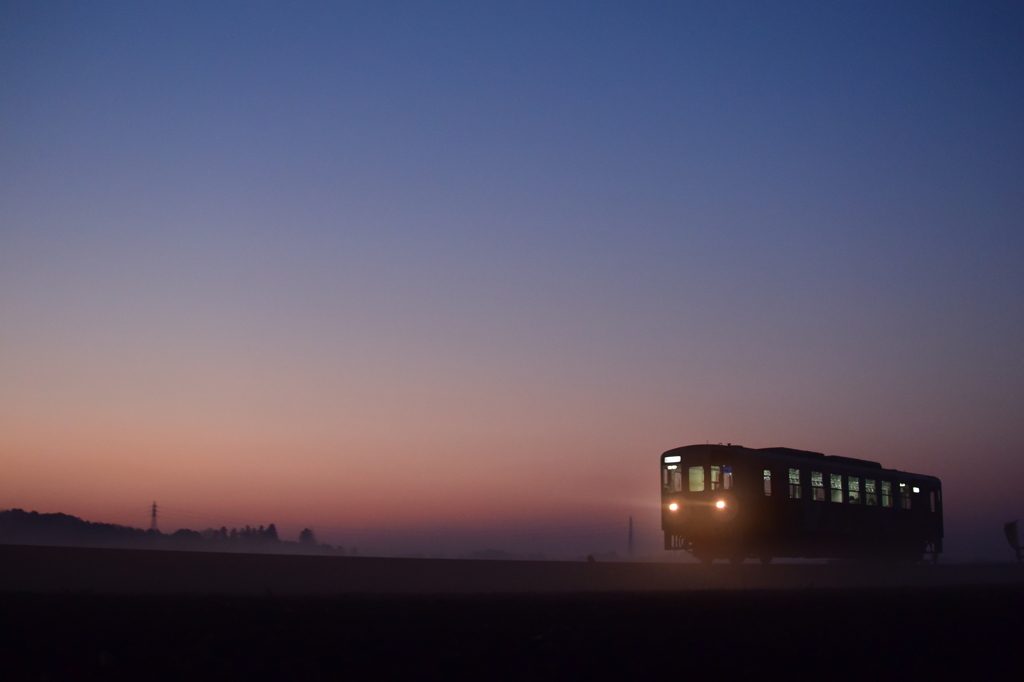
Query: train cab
point(701, 501)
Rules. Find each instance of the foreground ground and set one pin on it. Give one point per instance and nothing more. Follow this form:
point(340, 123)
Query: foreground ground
point(925, 633)
point(94, 614)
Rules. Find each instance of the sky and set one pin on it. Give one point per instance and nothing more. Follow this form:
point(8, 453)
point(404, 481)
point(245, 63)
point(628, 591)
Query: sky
point(437, 276)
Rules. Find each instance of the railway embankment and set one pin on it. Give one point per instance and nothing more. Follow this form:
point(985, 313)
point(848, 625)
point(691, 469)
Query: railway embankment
point(26, 568)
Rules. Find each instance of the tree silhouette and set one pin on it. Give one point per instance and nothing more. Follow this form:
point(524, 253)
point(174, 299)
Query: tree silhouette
point(32, 528)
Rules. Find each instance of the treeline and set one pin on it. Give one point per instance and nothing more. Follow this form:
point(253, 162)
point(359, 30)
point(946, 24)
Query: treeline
point(19, 527)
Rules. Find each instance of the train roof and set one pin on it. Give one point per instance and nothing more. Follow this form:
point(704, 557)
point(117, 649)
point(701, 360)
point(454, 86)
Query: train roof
point(790, 452)
point(802, 454)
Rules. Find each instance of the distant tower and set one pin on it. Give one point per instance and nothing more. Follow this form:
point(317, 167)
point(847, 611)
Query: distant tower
point(152, 521)
point(630, 536)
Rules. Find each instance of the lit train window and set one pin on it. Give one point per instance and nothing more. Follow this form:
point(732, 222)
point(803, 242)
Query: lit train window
point(886, 494)
point(671, 478)
point(696, 479)
point(870, 493)
point(817, 487)
point(726, 477)
point(716, 478)
point(677, 481)
point(767, 483)
point(904, 496)
point(836, 482)
point(794, 484)
point(853, 489)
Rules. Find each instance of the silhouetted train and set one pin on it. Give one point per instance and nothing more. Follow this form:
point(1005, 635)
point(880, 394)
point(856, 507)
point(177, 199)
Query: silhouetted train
point(732, 502)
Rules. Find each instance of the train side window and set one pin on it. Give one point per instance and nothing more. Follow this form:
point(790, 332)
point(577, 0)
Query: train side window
point(794, 484)
point(853, 489)
point(726, 478)
point(837, 487)
point(768, 483)
point(817, 487)
point(904, 496)
point(931, 496)
point(886, 494)
point(870, 493)
point(696, 479)
point(716, 477)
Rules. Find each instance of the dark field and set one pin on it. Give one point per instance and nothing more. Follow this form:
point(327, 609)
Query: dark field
point(946, 633)
point(90, 614)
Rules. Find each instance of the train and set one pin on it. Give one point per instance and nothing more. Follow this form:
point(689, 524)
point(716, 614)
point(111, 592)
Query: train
point(736, 503)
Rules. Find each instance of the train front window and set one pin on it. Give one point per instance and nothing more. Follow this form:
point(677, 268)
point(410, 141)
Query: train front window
point(716, 477)
point(696, 479)
point(853, 490)
point(870, 493)
point(767, 483)
point(836, 482)
point(817, 487)
point(886, 494)
point(672, 479)
point(904, 496)
point(794, 484)
point(726, 477)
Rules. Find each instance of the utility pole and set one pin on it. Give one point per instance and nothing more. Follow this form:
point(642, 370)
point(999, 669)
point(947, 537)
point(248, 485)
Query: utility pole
point(630, 537)
point(152, 519)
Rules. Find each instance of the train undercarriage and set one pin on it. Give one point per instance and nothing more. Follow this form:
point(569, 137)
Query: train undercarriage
point(737, 551)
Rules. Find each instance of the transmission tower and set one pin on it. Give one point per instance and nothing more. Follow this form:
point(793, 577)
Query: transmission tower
point(152, 518)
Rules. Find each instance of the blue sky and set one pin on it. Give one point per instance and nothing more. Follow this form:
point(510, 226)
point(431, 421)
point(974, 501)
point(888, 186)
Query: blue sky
point(557, 235)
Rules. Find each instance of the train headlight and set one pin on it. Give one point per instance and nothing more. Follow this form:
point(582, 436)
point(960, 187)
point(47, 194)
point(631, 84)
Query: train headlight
point(673, 507)
point(720, 504)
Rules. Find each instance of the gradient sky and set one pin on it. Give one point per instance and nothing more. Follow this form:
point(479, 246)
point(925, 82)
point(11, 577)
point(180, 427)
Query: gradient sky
point(408, 272)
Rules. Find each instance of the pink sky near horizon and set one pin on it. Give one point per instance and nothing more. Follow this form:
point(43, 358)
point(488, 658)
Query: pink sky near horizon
point(429, 456)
